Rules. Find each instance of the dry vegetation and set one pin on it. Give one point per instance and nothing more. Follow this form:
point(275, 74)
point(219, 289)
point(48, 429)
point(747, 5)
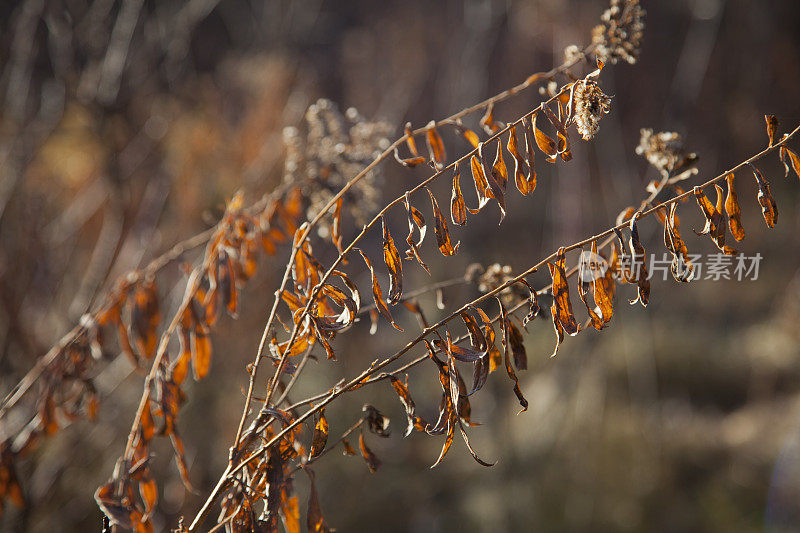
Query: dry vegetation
point(350, 315)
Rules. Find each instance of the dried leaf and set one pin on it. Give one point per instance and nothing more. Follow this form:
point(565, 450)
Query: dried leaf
point(416, 222)
point(715, 226)
point(414, 421)
point(640, 264)
point(470, 136)
point(495, 187)
point(545, 143)
point(201, 354)
point(772, 127)
point(373, 463)
point(602, 294)
point(506, 341)
point(490, 126)
point(561, 131)
point(793, 158)
point(458, 208)
point(529, 141)
point(415, 158)
point(769, 209)
point(681, 268)
point(520, 179)
point(563, 317)
point(315, 521)
point(320, 437)
point(336, 226)
point(733, 210)
point(442, 233)
point(377, 294)
point(436, 146)
point(392, 259)
point(376, 421)
point(499, 170)
point(481, 185)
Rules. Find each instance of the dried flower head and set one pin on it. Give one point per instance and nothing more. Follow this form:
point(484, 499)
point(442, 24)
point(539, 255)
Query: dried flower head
point(665, 151)
point(336, 148)
point(590, 105)
point(620, 34)
point(496, 275)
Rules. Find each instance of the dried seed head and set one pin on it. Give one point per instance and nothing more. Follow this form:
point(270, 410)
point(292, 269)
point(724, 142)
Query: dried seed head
point(590, 105)
point(665, 151)
point(620, 34)
point(335, 149)
point(495, 276)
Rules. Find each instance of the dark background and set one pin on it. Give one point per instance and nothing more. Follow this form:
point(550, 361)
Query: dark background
point(683, 416)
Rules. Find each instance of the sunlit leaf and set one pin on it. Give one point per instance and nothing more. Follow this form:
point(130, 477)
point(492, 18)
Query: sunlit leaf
point(392, 259)
point(442, 232)
point(769, 209)
point(733, 210)
point(435, 146)
point(458, 208)
point(377, 294)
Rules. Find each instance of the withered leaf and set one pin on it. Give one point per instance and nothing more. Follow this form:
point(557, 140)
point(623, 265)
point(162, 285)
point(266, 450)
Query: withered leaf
point(470, 136)
point(347, 448)
point(681, 268)
point(376, 421)
point(639, 264)
point(561, 132)
point(603, 294)
point(481, 185)
point(715, 218)
point(517, 347)
point(772, 127)
point(315, 521)
point(794, 159)
point(416, 222)
point(499, 170)
point(563, 317)
point(377, 293)
point(497, 191)
point(336, 226)
point(435, 146)
point(414, 421)
point(490, 126)
point(520, 179)
point(201, 354)
point(589, 271)
point(415, 158)
point(769, 209)
point(529, 140)
point(392, 259)
point(506, 342)
point(545, 143)
point(320, 437)
point(458, 208)
point(373, 463)
point(442, 233)
point(733, 210)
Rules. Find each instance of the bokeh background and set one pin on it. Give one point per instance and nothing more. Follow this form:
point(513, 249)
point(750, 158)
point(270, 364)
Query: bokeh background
point(127, 124)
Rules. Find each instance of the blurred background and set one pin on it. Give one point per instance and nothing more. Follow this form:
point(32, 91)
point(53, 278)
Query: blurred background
point(125, 125)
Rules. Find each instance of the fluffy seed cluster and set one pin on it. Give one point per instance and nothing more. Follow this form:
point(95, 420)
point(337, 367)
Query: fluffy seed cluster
point(620, 34)
point(665, 151)
point(494, 276)
point(334, 149)
point(590, 105)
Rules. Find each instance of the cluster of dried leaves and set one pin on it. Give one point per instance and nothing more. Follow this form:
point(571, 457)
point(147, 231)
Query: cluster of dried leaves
point(132, 309)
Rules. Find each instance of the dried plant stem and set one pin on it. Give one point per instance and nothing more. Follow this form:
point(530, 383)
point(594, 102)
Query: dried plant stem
point(376, 366)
